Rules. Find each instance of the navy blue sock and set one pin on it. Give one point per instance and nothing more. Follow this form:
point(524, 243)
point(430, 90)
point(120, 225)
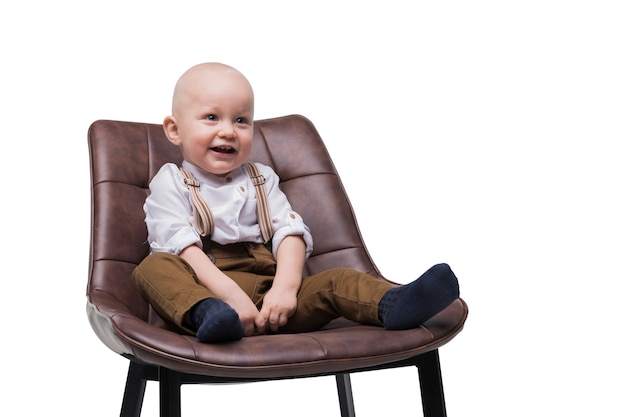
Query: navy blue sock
point(410, 305)
point(215, 322)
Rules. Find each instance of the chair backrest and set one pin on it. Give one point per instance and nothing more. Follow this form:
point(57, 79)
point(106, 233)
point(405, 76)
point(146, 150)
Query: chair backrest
point(125, 156)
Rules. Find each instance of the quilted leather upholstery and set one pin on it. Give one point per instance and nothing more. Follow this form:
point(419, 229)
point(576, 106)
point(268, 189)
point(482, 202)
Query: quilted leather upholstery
point(125, 156)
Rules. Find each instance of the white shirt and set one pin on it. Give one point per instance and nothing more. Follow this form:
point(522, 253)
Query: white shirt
point(232, 199)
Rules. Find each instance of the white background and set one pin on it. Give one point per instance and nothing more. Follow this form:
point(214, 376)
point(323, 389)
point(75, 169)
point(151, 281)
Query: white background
point(491, 134)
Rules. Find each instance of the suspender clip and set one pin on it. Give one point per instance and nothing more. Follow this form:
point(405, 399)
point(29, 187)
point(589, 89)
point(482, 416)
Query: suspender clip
point(191, 183)
point(257, 180)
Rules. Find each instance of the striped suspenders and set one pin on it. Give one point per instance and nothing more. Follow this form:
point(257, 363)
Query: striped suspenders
point(262, 208)
point(202, 213)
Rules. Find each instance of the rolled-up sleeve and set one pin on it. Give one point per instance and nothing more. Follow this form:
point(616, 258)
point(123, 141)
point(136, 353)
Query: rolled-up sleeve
point(169, 214)
point(294, 227)
point(286, 221)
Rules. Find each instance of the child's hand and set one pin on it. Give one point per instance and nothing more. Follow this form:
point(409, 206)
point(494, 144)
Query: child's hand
point(278, 305)
point(280, 302)
point(253, 322)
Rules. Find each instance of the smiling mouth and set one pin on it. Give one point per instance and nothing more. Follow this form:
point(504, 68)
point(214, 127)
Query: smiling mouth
point(223, 149)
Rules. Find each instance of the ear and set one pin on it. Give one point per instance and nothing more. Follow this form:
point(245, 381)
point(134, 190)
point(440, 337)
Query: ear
point(171, 130)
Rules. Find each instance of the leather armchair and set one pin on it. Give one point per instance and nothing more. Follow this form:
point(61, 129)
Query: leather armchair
point(124, 156)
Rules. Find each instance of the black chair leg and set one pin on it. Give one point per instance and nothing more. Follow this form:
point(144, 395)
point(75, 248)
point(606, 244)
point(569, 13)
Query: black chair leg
point(344, 389)
point(134, 391)
point(169, 392)
point(431, 385)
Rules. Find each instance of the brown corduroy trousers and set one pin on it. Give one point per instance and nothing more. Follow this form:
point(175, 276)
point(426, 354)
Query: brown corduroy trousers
point(172, 287)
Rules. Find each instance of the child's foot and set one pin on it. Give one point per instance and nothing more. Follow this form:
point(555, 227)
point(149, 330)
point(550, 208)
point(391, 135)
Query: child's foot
point(410, 305)
point(216, 322)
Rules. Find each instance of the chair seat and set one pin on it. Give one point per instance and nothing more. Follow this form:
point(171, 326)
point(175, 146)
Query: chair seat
point(341, 346)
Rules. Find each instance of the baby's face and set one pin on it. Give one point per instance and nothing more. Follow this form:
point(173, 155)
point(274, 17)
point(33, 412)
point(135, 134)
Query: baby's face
point(214, 120)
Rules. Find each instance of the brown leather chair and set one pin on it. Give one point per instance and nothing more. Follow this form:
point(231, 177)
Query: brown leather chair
point(124, 157)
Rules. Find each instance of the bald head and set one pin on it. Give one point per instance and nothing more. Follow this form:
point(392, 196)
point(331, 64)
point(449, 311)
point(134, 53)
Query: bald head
point(212, 120)
point(192, 82)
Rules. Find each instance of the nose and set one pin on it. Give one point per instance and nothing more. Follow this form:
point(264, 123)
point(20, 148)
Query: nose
point(226, 131)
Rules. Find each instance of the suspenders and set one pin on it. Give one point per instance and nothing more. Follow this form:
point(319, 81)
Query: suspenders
point(202, 213)
point(262, 208)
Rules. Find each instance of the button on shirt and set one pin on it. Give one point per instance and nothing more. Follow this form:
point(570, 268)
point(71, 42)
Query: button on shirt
point(232, 199)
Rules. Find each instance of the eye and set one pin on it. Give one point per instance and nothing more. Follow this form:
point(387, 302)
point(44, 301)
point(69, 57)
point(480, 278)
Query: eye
point(241, 120)
point(210, 117)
